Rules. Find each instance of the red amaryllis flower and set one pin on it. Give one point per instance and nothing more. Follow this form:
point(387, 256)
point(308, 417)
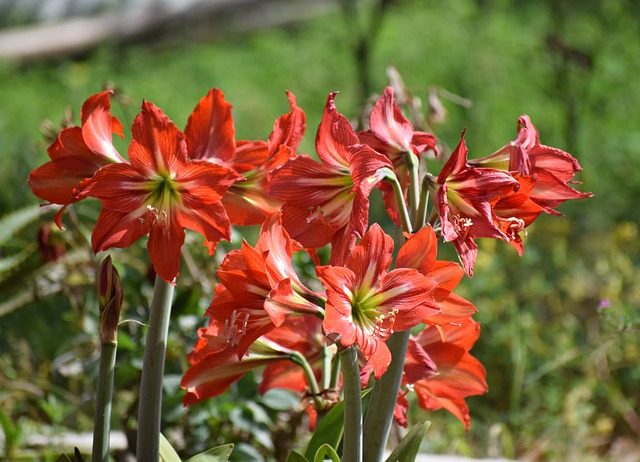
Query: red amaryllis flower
point(261, 287)
point(516, 210)
point(215, 363)
point(459, 374)
point(463, 199)
point(393, 135)
point(302, 334)
point(420, 252)
point(159, 193)
point(366, 303)
point(210, 135)
point(551, 168)
point(212, 374)
point(328, 202)
point(77, 154)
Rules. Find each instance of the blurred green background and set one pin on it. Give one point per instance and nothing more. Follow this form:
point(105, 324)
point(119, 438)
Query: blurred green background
point(560, 326)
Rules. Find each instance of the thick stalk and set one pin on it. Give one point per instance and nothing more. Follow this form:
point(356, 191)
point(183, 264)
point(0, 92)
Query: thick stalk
point(352, 439)
point(377, 424)
point(150, 407)
point(104, 398)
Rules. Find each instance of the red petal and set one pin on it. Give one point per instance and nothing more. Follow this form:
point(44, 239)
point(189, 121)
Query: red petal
point(98, 126)
point(419, 251)
point(210, 220)
point(164, 244)
point(209, 132)
point(57, 180)
point(371, 258)
point(388, 123)
point(334, 136)
point(158, 145)
point(289, 128)
point(119, 229)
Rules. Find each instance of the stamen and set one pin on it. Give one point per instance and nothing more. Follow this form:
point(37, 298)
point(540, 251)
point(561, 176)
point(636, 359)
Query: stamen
point(314, 212)
point(378, 324)
point(244, 324)
point(515, 226)
point(233, 330)
point(462, 226)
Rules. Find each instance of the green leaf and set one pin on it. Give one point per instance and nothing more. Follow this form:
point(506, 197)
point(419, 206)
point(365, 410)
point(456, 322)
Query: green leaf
point(329, 430)
point(217, 454)
point(326, 451)
point(11, 432)
point(11, 263)
point(12, 223)
point(167, 453)
point(280, 399)
point(63, 458)
point(296, 457)
point(408, 448)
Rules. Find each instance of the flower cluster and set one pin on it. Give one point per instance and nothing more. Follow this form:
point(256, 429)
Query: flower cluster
point(263, 313)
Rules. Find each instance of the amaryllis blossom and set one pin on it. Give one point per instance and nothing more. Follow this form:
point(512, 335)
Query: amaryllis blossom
point(302, 334)
point(261, 287)
point(366, 302)
point(210, 135)
point(77, 154)
point(463, 197)
point(328, 202)
point(459, 375)
point(160, 192)
point(551, 169)
point(420, 252)
point(215, 363)
point(213, 372)
point(516, 210)
point(393, 135)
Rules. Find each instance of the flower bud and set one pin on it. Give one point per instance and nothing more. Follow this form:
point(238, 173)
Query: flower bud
point(109, 301)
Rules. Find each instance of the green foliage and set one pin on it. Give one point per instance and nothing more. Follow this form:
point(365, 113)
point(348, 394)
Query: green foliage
point(328, 431)
point(408, 448)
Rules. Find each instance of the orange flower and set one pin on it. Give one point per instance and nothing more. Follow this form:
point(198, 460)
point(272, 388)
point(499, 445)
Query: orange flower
point(160, 192)
point(77, 154)
point(366, 303)
point(459, 374)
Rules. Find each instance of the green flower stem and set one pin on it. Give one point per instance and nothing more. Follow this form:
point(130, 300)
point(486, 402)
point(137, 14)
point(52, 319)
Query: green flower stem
point(150, 407)
point(377, 424)
point(301, 361)
point(327, 357)
point(104, 398)
point(352, 439)
point(335, 372)
point(414, 183)
point(421, 216)
point(390, 176)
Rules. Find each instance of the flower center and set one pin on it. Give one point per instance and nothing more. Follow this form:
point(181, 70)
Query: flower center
point(164, 195)
point(366, 314)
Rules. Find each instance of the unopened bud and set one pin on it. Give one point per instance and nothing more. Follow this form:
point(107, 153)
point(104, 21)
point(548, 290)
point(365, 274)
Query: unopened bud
point(109, 301)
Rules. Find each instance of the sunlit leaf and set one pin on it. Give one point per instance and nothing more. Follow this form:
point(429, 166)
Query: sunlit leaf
point(326, 451)
point(217, 454)
point(167, 453)
point(407, 449)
